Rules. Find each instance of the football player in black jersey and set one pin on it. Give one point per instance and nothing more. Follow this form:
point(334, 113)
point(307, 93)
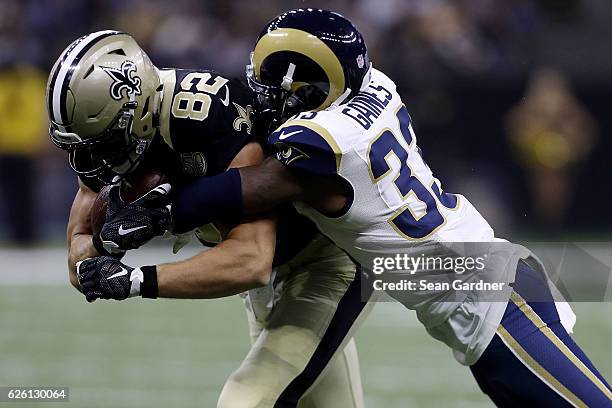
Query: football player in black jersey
point(113, 111)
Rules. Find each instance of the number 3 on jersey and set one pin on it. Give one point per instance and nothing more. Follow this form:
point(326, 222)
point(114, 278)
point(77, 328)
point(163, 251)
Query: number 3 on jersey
point(406, 220)
point(196, 105)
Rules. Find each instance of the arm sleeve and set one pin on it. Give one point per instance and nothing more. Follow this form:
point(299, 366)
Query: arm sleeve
point(220, 197)
point(306, 146)
point(208, 199)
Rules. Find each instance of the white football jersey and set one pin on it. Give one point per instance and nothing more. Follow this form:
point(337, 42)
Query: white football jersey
point(369, 141)
point(397, 201)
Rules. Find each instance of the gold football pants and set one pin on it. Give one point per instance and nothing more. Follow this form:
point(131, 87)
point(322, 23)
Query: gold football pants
point(301, 329)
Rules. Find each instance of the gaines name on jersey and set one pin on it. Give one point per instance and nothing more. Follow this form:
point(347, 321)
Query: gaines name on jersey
point(367, 105)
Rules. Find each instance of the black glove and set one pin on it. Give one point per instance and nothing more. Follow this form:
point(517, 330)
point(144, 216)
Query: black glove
point(129, 226)
point(104, 277)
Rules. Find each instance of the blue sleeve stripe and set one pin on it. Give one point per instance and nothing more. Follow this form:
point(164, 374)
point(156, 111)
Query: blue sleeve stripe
point(307, 145)
point(322, 133)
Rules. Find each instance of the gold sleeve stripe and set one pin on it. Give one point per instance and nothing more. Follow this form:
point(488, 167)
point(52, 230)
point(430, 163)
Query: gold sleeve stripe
point(533, 316)
point(537, 369)
point(291, 39)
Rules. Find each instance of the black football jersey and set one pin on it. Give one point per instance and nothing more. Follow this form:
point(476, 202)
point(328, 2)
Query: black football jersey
point(205, 120)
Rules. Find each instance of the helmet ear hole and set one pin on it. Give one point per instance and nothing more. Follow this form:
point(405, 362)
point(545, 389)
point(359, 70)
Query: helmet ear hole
point(305, 98)
point(118, 51)
point(89, 71)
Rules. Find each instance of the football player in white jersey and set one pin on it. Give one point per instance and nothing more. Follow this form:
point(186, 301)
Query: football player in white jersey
point(346, 155)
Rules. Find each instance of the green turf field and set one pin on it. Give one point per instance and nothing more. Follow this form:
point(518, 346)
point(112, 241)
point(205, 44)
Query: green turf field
point(177, 353)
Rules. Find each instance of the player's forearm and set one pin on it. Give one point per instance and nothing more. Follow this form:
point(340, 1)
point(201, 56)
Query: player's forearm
point(224, 270)
point(243, 260)
point(80, 247)
point(235, 193)
point(78, 232)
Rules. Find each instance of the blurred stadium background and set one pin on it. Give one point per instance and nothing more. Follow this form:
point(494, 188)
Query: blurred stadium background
point(511, 104)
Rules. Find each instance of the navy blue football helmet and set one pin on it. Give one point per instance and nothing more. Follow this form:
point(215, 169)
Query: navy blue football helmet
point(304, 60)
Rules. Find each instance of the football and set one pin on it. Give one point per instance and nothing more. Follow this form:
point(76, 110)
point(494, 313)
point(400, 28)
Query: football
point(133, 187)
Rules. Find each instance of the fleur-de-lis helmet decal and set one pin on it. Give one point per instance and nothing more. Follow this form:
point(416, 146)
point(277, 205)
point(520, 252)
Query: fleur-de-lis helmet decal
point(124, 79)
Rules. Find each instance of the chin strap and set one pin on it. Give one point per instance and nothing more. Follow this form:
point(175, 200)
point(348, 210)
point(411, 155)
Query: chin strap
point(366, 80)
point(341, 99)
point(288, 78)
point(141, 145)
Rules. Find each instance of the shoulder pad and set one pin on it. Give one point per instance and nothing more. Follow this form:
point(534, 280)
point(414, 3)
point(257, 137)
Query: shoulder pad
point(306, 145)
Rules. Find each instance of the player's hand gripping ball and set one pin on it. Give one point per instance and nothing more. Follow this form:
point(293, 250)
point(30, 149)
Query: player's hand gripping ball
point(130, 225)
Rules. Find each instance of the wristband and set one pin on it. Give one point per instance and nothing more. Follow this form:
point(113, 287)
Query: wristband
point(148, 286)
